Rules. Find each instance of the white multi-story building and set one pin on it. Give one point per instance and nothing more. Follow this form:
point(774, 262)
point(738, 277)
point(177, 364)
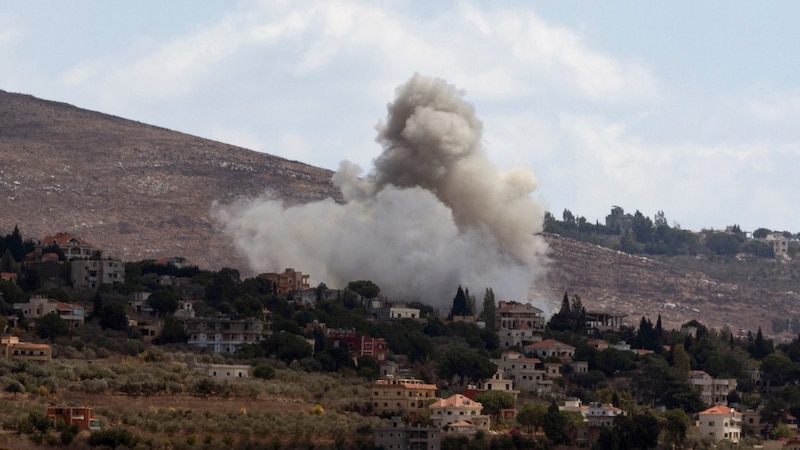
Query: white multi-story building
point(91, 273)
point(721, 423)
point(713, 391)
point(528, 373)
point(601, 415)
point(223, 335)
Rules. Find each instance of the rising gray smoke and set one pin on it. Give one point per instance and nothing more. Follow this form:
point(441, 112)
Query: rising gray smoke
point(432, 214)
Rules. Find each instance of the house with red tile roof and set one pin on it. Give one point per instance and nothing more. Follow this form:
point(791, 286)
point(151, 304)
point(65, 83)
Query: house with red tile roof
point(457, 408)
point(73, 246)
point(39, 306)
point(9, 276)
point(721, 423)
point(11, 348)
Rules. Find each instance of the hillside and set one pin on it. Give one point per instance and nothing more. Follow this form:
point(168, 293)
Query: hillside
point(641, 286)
point(135, 190)
point(139, 191)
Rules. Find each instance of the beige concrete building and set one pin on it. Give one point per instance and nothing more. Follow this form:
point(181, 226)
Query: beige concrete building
point(409, 395)
point(288, 281)
point(39, 306)
point(11, 348)
point(511, 315)
point(713, 391)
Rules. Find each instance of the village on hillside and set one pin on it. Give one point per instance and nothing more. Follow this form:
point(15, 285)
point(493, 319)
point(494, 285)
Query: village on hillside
point(488, 373)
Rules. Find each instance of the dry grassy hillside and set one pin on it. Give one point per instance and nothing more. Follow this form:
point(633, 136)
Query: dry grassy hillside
point(135, 190)
point(641, 286)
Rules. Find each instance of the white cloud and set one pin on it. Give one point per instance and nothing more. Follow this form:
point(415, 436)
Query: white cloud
point(11, 30)
point(697, 184)
point(774, 107)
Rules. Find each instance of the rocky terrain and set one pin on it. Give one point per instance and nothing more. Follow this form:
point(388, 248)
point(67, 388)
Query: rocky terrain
point(139, 191)
point(640, 286)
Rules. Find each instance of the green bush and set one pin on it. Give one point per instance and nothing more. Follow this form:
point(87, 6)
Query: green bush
point(264, 371)
point(113, 438)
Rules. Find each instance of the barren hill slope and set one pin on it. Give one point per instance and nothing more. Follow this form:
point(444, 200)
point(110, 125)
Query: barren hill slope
point(139, 191)
point(135, 190)
point(639, 286)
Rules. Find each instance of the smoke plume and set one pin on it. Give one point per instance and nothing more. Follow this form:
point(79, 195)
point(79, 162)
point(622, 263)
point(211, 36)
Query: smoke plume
point(433, 213)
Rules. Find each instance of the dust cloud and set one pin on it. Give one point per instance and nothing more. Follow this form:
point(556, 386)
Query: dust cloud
point(432, 213)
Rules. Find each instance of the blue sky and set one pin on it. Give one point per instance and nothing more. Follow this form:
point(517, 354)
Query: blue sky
point(687, 107)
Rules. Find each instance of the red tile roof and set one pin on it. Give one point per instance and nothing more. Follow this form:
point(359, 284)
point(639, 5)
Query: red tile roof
point(457, 401)
point(718, 410)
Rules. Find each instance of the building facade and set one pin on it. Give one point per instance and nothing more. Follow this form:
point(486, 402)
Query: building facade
point(399, 435)
point(361, 345)
point(398, 394)
point(721, 423)
point(81, 416)
point(72, 246)
point(511, 315)
point(11, 348)
point(223, 335)
point(91, 273)
point(528, 373)
point(289, 281)
point(456, 408)
point(227, 370)
point(39, 306)
point(713, 391)
point(551, 348)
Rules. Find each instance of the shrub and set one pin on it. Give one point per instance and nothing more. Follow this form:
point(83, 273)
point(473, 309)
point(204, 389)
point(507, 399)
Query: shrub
point(113, 438)
point(264, 371)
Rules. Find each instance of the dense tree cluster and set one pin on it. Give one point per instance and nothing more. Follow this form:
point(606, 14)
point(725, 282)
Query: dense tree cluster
point(656, 237)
